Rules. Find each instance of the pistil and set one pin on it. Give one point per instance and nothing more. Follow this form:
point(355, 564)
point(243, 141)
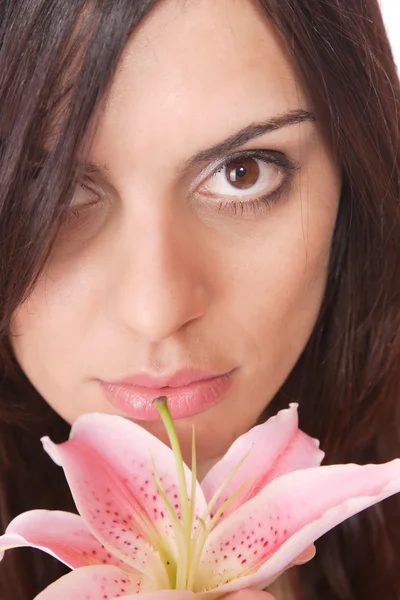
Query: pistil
point(190, 547)
point(187, 509)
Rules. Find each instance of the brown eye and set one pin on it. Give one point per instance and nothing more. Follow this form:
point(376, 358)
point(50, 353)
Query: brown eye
point(242, 174)
point(243, 178)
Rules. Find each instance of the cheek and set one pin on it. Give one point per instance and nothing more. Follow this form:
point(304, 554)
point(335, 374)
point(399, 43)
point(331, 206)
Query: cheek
point(49, 324)
point(53, 349)
point(44, 334)
point(276, 292)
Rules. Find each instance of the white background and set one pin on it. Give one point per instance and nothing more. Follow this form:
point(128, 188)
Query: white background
point(391, 15)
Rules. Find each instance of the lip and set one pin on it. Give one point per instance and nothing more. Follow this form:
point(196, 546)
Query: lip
point(189, 392)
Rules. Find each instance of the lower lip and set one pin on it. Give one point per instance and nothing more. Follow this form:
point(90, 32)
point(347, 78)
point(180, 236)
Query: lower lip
point(183, 402)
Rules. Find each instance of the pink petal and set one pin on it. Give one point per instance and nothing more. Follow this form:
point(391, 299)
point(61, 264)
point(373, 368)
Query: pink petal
point(106, 505)
point(265, 535)
point(276, 447)
point(61, 534)
point(108, 465)
point(93, 583)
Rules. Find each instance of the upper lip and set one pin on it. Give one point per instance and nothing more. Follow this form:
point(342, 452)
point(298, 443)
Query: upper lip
point(177, 379)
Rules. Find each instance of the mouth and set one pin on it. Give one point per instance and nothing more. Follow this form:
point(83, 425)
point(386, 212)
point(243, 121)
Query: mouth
point(188, 392)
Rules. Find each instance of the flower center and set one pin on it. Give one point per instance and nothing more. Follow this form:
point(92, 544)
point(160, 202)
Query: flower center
point(190, 537)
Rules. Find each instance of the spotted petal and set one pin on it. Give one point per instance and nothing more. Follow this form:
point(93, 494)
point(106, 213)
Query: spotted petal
point(265, 535)
point(166, 595)
point(63, 535)
point(107, 507)
point(94, 583)
point(109, 468)
point(274, 448)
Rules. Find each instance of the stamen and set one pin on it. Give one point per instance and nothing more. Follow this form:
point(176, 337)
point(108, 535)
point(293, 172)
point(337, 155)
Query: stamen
point(223, 486)
point(227, 502)
point(194, 477)
point(200, 534)
point(169, 561)
point(201, 539)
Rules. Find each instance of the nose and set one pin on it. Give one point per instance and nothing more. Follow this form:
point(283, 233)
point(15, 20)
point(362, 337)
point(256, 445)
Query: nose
point(161, 285)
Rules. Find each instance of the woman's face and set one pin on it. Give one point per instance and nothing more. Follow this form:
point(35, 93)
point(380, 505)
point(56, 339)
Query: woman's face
point(194, 260)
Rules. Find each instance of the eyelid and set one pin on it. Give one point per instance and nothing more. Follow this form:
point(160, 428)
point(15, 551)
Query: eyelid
point(87, 183)
point(251, 206)
point(275, 157)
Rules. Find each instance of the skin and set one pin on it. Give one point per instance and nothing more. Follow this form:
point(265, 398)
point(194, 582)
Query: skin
point(153, 274)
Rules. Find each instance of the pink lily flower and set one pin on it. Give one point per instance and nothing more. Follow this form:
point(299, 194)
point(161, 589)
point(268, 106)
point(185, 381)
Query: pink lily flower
point(147, 526)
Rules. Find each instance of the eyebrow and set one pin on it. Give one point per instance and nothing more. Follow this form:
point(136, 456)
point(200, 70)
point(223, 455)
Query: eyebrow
point(241, 137)
point(250, 132)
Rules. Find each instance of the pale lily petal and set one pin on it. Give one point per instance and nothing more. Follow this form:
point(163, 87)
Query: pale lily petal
point(9, 541)
point(177, 595)
point(265, 535)
point(63, 535)
point(93, 583)
point(165, 595)
point(106, 505)
point(274, 448)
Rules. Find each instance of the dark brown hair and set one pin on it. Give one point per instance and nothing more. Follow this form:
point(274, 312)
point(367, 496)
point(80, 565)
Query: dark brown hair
point(57, 58)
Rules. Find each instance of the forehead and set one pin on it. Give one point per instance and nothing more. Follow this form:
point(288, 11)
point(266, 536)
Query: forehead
point(199, 70)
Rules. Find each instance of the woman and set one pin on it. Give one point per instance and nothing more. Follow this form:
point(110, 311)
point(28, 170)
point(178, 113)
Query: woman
point(201, 198)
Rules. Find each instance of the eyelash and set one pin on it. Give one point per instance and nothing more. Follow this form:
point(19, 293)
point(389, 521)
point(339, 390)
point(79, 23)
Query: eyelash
point(253, 207)
point(88, 185)
point(257, 205)
point(33, 172)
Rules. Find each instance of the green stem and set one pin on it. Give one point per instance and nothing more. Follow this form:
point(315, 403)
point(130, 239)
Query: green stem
point(162, 406)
